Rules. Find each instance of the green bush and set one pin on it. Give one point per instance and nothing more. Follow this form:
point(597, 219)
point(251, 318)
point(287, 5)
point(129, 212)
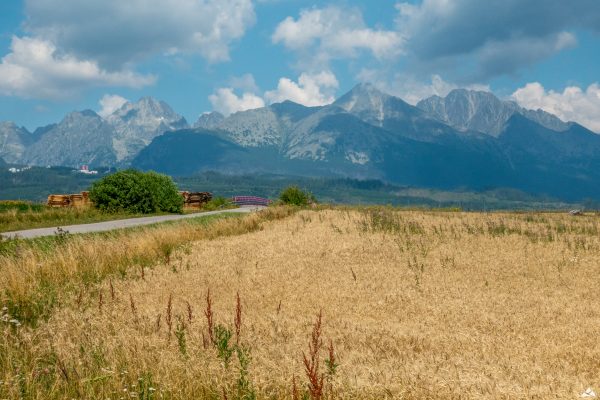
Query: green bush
point(136, 192)
point(217, 203)
point(293, 195)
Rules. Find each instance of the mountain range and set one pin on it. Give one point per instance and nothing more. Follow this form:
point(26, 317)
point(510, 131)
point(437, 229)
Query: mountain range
point(83, 137)
point(466, 140)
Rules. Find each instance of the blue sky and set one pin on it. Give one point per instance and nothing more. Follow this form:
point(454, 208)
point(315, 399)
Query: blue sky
point(230, 55)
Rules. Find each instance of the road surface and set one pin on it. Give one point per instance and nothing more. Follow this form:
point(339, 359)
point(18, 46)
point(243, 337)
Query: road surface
point(118, 224)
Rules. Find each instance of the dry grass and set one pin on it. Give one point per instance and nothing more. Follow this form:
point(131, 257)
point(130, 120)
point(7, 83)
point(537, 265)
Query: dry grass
point(34, 274)
point(416, 305)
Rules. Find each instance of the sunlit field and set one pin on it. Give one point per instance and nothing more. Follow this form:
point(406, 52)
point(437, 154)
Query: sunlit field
point(311, 304)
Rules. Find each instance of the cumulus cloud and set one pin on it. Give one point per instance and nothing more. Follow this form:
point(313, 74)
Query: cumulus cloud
point(497, 36)
point(225, 101)
point(34, 68)
point(110, 103)
point(310, 90)
point(333, 32)
point(245, 83)
point(116, 32)
point(573, 104)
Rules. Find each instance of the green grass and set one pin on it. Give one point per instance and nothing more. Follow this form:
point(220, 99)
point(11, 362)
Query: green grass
point(48, 244)
point(20, 215)
point(40, 216)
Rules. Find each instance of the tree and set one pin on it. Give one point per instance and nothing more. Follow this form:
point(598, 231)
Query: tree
point(293, 195)
point(136, 192)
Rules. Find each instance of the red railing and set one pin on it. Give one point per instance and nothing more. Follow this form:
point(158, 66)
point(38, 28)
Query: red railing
point(250, 201)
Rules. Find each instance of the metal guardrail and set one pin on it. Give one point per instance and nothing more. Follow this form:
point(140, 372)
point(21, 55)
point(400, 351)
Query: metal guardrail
point(250, 201)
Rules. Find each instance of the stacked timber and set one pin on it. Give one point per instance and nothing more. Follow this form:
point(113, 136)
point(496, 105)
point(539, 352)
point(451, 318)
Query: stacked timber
point(69, 200)
point(195, 199)
point(59, 200)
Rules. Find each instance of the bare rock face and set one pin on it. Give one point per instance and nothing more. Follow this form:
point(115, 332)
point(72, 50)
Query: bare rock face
point(82, 137)
point(86, 138)
point(254, 128)
point(209, 120)
point(13, 141)
point(470, 110)
point(136, 124)
point(374, 106)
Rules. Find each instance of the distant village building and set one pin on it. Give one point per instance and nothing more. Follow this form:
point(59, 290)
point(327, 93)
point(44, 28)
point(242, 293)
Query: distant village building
point(14, 170)
point(86, 170)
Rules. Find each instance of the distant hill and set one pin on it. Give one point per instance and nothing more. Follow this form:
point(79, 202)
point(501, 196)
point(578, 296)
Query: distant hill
point(36, 183)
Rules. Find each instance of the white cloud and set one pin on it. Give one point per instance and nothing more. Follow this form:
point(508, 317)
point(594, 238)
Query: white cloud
point(477, 39)
point(573, 104)
point(225, 101)
point(332, 32)
point(245, 83)
point(116, 32)
point(311, 89)
point(35, 69)
point(110, 103)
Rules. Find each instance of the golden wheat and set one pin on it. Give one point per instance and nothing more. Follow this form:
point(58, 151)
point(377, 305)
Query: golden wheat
point(416, 304)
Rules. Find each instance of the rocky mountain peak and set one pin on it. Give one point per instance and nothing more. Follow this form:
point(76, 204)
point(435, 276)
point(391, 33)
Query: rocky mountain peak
point(209, 120)
point(372, 105)
point(137, 123)
point(8, 125)
point(13, 141)
point(146, 110)
point(472, 110)
point(362, 96)
point(82, 137)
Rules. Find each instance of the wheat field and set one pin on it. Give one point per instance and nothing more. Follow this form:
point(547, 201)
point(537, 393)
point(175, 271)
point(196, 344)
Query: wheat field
point(413, 305)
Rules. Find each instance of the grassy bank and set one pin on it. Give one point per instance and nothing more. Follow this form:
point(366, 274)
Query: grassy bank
point(16, 215)
point(40, 216)
point(412, 305)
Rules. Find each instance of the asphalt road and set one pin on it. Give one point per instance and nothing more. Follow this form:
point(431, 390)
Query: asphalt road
point(117, 224)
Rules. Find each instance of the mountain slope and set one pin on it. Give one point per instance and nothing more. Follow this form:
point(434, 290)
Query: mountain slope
point(136, 124)
point(209, 120)
point(564, 164)
point(80, 138)
point(375, 107)
point(369, 134)
point(394, 114)
point(13, 141)
point(468, 140)
point(469, 110)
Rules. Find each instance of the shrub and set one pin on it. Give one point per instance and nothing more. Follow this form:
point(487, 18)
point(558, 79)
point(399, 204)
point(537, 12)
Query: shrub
point(217, 203)
point(136, 192)
point(295, 196)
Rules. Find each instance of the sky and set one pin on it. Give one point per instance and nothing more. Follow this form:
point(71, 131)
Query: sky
point(57, 56)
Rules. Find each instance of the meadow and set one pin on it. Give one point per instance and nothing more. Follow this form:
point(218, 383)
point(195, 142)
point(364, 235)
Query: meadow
point(327, 303)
